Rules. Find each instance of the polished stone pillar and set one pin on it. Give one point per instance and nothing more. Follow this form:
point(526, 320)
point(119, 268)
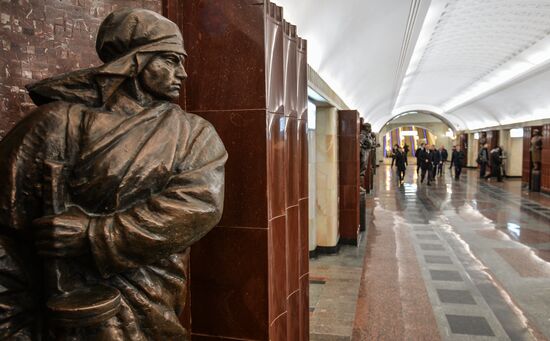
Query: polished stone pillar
point(492, 139)
point(303, 192)
point(545, 159)
point(312, 191)
point(526, 164)
point(246, 275)
point(348, 168)
point(327, 179)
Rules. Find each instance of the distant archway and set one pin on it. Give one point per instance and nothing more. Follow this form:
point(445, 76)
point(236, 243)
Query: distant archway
point(455, 123)
point(430, 113)
point(416, 134)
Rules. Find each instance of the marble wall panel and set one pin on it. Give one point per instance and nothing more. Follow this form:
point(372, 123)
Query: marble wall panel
point(526, 164)
point(326, 155)
point(348, 162)
point(545, 164)
point(228, 288)
point(243, 77)
point(227, 50)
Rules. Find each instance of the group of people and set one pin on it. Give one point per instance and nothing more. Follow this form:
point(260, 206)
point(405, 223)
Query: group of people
point(430, 161)
point(492, 159)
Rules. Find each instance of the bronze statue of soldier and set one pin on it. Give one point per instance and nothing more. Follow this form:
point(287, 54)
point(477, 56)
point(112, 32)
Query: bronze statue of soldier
point(536, 158)
point(103, 189)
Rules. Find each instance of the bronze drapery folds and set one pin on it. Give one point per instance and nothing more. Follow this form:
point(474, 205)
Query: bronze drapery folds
point(103, 188)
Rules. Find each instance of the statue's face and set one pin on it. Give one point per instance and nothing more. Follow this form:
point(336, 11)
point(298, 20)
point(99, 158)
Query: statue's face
point(164, 75)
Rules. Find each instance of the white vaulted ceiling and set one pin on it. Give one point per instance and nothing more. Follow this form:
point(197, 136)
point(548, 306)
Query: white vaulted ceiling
point(477, 63)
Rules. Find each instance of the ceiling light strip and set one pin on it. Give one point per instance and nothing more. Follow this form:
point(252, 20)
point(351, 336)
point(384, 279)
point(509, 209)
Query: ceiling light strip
point(400, 71)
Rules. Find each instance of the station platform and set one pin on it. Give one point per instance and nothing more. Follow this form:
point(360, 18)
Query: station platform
point(459, 260)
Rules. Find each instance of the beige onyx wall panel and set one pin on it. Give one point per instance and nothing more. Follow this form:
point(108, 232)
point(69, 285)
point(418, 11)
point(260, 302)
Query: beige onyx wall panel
point(515, 157)
point(326, 177)
point(472, 150)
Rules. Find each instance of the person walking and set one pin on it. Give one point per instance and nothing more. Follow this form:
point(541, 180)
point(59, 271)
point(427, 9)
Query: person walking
point(483, 160)
point(435, 159)
point(418, 160)
point(425, 164)
point(457, 161)
point(393, 152)
point(406, 150)
point(400, 163)
point(444, 157)
point(496, 164)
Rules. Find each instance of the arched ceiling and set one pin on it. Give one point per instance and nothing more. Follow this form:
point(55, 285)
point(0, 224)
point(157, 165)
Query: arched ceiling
point(477, 63)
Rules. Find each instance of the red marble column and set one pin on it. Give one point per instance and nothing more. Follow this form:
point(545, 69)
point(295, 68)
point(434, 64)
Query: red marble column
point(492, 139)
point(348, 167)
point(545, 159)
point(303, 193)
point(463, 141)
point(292, 164)
point(245, 274)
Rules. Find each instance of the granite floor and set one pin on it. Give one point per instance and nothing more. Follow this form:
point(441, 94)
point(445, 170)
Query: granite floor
point(458, 260)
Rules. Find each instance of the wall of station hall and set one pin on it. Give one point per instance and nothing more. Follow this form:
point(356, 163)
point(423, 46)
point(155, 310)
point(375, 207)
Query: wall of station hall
point(42, 38)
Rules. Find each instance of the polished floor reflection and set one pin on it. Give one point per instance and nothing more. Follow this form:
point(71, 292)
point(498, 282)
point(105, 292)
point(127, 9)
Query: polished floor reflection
point(464, 260)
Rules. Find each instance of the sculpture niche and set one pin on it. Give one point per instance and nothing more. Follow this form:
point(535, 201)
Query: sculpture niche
point(103, 188)
point(536, 158)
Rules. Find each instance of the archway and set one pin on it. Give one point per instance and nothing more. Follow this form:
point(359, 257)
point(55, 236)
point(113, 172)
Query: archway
point(410, 137)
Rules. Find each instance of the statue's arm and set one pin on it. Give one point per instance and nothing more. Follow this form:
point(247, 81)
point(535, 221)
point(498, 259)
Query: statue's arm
point(168, 222)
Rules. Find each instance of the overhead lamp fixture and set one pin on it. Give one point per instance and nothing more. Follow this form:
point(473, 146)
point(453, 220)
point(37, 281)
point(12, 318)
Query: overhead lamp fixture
point(516, 133)
point(409, 133)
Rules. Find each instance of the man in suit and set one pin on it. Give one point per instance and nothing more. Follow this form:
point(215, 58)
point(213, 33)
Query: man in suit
point(423, 157)
point(457, 160)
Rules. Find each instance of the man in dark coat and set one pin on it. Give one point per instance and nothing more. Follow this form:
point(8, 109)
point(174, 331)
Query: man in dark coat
point(444, 156)
point(457, 161)
point(423, 157)
point(435, 159)
point(418, 160)
point(400, 163)
point(496, 164)
point(393, 152)
point(483, 160)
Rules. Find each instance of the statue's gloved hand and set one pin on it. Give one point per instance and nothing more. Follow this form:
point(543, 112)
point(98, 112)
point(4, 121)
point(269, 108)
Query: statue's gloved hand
point(62, 235)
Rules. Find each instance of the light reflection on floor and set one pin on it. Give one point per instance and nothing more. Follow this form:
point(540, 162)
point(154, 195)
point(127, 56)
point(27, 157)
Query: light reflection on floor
point(464, 260)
